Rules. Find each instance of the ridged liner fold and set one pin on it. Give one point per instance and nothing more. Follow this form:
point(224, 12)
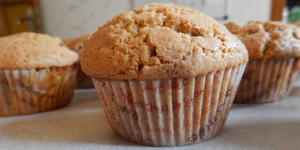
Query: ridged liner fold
point(31, 91)
point(267, 80)
point(170, 112)
point(83, 81)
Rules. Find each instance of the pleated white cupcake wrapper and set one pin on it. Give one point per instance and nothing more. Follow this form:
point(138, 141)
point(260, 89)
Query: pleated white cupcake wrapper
point(267, 81)
point(32, 91)
point(169, 112)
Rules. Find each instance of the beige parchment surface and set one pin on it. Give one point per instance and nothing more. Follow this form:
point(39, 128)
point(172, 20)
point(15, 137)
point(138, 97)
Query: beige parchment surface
point(83, 125)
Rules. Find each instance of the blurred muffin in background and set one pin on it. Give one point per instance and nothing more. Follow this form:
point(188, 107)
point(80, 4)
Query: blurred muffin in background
point(37, 73)
point(274, 50)
point(76, 44)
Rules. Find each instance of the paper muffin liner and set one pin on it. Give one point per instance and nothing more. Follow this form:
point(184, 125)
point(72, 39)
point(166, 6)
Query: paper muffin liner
point(267, 80)
point(31, 91)
point(83, 81)
point(169, 112)
point(296, 68)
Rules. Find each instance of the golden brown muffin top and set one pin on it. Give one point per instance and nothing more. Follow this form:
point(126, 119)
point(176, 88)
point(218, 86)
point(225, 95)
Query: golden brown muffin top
point(32, 50)
point(158, 40)
point(78, 43)
point(268, 40)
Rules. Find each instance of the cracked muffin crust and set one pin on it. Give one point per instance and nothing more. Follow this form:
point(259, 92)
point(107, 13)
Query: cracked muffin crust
point(268, 40)
point(29, 50)
point(160, 40)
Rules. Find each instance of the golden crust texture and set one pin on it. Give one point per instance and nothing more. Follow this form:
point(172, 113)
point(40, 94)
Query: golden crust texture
point(78, 43)
point(158, 40)
point(268, 40)
point(28, 50)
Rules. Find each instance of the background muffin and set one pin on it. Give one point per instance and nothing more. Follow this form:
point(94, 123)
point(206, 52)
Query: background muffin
point(37, 73)
point(166, 75)
point(76, 44)
point(274, 50)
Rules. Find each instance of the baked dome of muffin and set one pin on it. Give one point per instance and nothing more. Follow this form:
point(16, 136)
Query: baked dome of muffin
point(160, 40)
point(29, 50)
point(268, 40)
point(78, 43)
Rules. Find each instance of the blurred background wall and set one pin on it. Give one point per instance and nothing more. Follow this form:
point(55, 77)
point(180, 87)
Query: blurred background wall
point(73, 18)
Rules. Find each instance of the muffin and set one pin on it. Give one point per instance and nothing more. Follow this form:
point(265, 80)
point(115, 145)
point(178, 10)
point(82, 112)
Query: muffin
point(274, 50)
point(297, 67)
point(166, 75)
point(76, 44)
point(37, 73)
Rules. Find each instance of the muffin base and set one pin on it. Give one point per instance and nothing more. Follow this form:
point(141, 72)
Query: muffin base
point(83, 81)
point(170, 112)
point(31, 91)
point(267, 80)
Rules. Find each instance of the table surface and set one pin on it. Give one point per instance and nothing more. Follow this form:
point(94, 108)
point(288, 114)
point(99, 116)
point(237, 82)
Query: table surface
point(83, 125)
